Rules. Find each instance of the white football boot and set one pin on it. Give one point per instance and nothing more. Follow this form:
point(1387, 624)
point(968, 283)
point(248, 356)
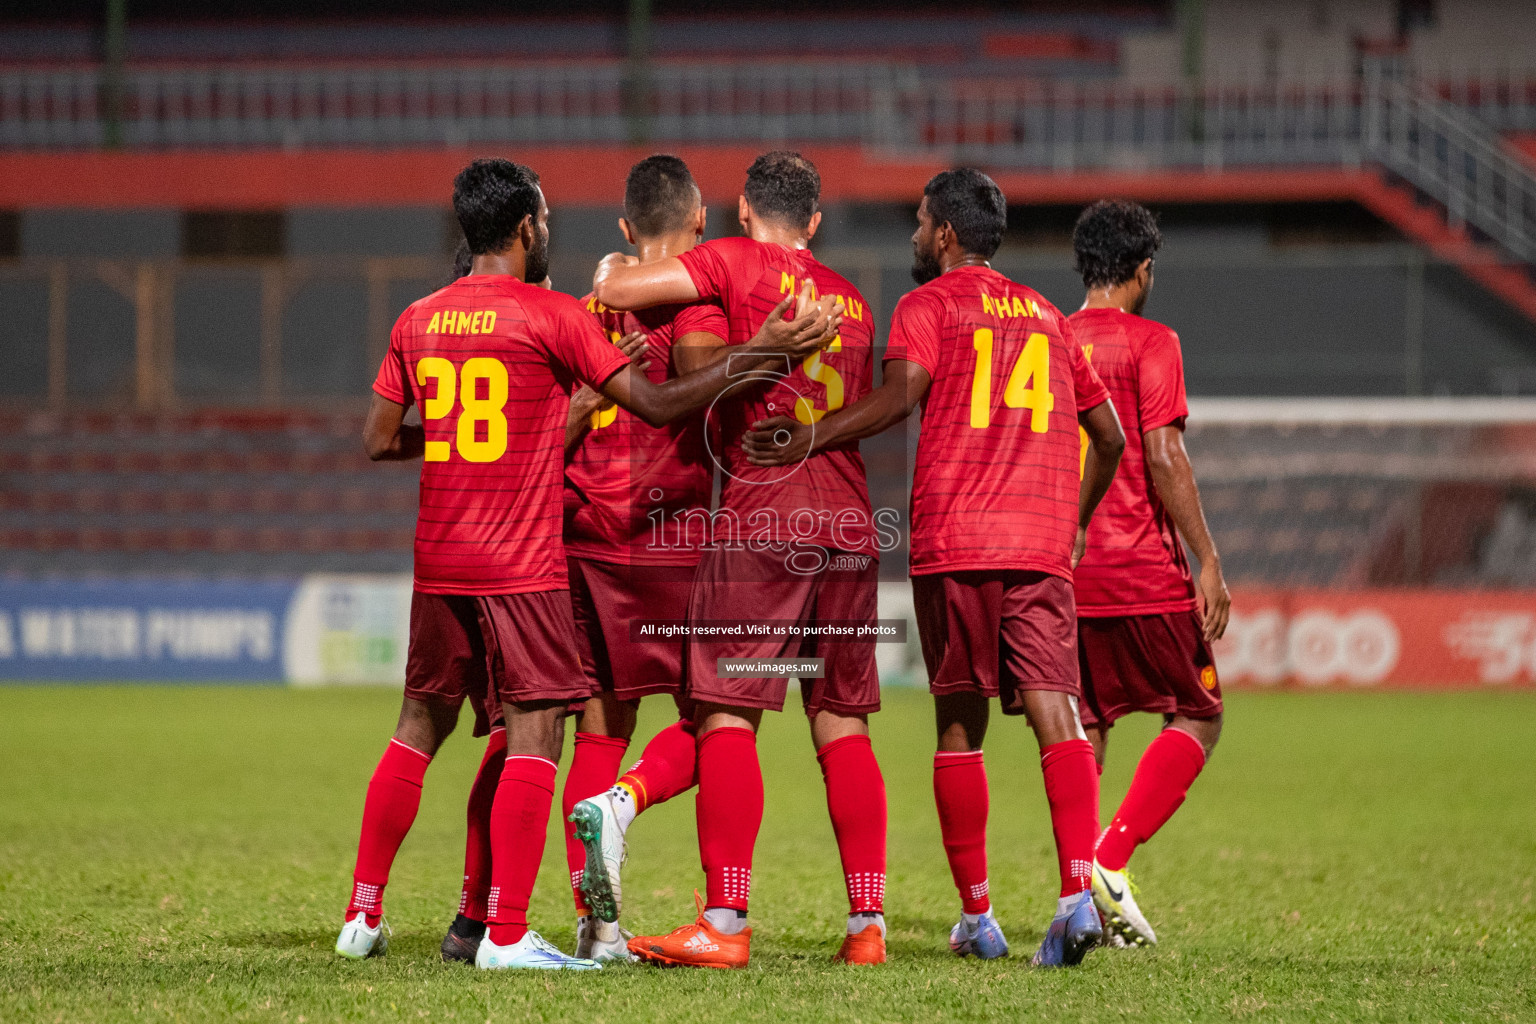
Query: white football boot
point(603, 941)
point(1115, 896)
point(530, 952)
point(598, 829)
point(359, 942)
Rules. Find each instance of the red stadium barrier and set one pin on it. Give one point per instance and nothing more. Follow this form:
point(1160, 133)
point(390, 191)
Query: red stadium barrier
point(268, 179)
point(1380, 639)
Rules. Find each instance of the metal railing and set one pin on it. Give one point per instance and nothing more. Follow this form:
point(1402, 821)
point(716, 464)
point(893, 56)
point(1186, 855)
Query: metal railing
point(373, 105)
point(1452, 157)
point(1443, 150)
point(877, 102)
point(1413, 127)
point(1502, 98)
point(1072, 126)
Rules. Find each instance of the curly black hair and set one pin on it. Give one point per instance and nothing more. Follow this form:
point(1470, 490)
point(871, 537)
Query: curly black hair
point(784, 185)
point(491, 197)
point(972, 205)
point(1110, 240)
point(659, 195)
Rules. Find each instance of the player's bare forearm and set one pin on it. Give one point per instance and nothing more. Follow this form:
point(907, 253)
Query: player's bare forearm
point(622, 282)
point(1106, 443)
point(696, 350)
point(386, 435)
point(1174, 479)
point(781, 441)
point(778, 341)
point(660, 404)
point(583, 404)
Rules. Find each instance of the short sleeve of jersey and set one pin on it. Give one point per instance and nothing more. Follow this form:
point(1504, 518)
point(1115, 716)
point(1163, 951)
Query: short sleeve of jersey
point(700, 318)
point(1085, 379)
point(1160, 381)
point(391, 381)
point(583, 347)
point(915, 330)
point(709, 266)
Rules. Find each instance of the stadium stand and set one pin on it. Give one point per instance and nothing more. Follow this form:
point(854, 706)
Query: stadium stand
point(318, 152)
point(255, 493)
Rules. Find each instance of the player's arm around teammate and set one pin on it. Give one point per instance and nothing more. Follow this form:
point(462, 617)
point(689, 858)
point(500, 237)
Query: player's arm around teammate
point(624, 282)
point(814, 324)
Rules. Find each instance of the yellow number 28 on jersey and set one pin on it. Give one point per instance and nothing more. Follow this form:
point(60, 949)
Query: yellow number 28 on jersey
point(465, 385)
point(1028, 387)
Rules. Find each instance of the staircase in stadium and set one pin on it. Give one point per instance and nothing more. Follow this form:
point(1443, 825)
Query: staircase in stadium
point(1451, 184)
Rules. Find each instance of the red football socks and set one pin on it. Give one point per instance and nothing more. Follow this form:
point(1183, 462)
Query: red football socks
point(394, 794)
point(960, 791)
point(1072, 789)
point(594, 763)
point(856, 803)
point(1163, 777)
point(477, 832)
point(667, 767)
point(519, 819)
point(730, 811)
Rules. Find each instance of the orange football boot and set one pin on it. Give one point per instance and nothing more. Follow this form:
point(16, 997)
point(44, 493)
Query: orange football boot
point(695, 945)
point(867, 947)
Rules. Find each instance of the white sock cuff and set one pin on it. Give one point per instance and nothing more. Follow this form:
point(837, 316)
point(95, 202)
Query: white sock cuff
point(406, 746)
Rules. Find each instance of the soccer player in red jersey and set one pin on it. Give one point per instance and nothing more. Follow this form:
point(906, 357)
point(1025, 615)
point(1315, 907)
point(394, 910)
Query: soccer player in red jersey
point(619, 472)
point(999, 507)
point(1142, 641)
point(796, 546)
point(627, 488)
point(490, 361)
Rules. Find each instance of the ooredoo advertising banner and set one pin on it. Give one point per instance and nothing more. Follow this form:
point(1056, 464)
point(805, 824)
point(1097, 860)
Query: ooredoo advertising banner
point(1380, 638)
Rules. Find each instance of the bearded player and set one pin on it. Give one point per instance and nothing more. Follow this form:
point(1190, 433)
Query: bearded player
point(797, 547)
point(487, 359)
point(462, 941)
point(1143, 643)
point(620, 472)
point(998, 513)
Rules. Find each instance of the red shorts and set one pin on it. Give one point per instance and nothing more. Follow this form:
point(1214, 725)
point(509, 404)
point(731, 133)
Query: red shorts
point(608, 598)
point(1156, 663)
point(512, 648)
point(997, 633)
point(749, 586)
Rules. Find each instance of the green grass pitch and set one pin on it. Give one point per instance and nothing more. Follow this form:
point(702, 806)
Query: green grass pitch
point(185, 854)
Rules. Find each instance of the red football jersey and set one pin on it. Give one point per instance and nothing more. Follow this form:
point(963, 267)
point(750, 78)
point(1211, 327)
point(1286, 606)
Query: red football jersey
point(1135, 563)
point(997, 476)
point(824, 500)
point(491, 362)
point(628, 484)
